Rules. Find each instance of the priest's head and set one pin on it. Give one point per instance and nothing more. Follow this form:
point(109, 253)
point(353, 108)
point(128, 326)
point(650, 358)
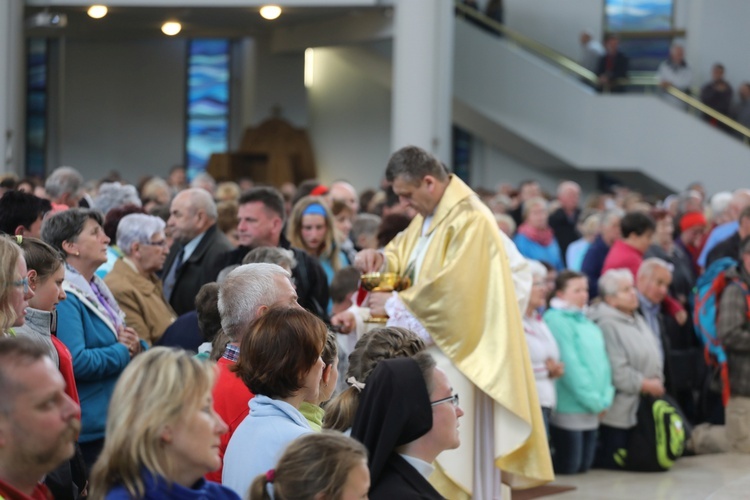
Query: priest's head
point(418, 178)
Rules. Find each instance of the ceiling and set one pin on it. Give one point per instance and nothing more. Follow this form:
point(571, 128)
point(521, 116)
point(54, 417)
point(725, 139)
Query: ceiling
point(145, 22)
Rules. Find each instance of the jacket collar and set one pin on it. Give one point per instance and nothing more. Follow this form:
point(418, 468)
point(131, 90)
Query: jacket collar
point(455, 193)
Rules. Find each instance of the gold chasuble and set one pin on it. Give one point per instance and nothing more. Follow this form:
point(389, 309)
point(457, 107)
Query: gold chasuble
point(463, 295)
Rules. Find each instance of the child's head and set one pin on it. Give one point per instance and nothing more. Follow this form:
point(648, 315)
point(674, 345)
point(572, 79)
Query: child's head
point(46, 273)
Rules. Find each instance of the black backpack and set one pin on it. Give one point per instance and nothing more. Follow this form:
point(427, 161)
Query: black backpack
point(658, 439)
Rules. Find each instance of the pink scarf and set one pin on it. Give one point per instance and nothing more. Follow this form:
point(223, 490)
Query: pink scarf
point(542, 236)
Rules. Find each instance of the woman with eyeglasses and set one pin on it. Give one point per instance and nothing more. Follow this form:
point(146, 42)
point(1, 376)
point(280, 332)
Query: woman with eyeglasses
point(543, 350)
point(89, 322)
point(15, 293)
point(407, 415)
point(133, 279)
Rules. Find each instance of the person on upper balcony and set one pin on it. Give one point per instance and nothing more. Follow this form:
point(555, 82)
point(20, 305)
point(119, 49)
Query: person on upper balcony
point(591, 50)
point(674, 72)
point(717, 93)
point(741, 111)
point(613, 66)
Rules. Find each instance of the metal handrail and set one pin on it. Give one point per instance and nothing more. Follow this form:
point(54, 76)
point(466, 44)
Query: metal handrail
point(573, 67)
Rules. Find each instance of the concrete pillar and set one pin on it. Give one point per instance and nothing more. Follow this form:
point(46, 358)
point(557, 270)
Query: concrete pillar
point(12, 93)
point(423, 76)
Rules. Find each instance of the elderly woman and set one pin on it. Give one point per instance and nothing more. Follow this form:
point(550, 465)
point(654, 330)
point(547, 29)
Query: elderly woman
point(535, 239)
point(161, 432)
point(634, 356)
point(545, 356)
point(89, 322)
point(133, 281)
point(408, 415)
point(280, 364)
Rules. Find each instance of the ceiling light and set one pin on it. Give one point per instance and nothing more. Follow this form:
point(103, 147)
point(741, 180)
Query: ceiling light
point(97, 11)
point(171, 28)
point(270, 12)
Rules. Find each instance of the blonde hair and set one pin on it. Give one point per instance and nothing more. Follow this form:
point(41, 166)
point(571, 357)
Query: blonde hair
point(329, 249)
point(157, 389)
point(10, 252)
point(371, 349)
point(312, 464)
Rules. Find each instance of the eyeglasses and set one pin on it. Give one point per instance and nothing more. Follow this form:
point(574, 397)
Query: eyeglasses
point(22, 282)
point(161, 243)
point(453, 399)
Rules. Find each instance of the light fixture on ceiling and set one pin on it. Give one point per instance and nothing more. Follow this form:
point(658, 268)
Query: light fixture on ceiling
point(270, 12)
point(97, 11)
point(171, 28)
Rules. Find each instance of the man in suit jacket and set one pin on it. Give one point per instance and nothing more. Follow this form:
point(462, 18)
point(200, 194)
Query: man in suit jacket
point(613, 66)
point(198, 247)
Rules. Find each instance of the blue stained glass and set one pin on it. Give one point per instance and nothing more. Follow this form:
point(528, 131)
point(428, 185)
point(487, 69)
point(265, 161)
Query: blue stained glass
point(639, 15)
point(36, 107)
point(207, 102)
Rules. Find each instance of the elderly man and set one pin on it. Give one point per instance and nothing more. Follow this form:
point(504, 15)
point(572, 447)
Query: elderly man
point(740, 200)
point(564, 220)
point(39, 422)
point(64, 187)
point(247, 293)
point(674, 72)
point(471, 321)
point(21, 214)
point(733, 329)
point(261, 223)
point(198, 248)
point(345, 193)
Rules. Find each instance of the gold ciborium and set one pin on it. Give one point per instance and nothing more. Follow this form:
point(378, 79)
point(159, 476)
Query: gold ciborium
point(383, 282)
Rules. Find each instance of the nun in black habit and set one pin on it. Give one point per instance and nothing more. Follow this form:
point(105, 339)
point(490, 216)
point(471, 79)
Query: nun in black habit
point(395, 410)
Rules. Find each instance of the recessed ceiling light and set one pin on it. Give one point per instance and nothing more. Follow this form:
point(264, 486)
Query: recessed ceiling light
point(97, 11)
point(270, 12)
point(171, 28)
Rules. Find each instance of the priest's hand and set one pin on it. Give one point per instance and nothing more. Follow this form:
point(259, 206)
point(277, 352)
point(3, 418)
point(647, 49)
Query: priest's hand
point(345, 321)
point(376, 302)
point(368, 261)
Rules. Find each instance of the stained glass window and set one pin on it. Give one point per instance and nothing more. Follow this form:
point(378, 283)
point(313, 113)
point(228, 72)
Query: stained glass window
point(36, 106)
point(207, 102)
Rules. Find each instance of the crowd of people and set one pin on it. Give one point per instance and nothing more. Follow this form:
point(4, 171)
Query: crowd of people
point(168, 340)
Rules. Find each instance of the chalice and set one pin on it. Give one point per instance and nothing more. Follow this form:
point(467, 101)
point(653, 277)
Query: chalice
point(383, 282)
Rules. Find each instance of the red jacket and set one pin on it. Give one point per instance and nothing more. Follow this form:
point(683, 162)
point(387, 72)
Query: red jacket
point(231, 398)
point(8, 492)
point(66, 368)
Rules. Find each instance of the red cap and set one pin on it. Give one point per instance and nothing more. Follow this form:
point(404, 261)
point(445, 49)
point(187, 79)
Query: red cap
point(691, 220)
point(319, 190)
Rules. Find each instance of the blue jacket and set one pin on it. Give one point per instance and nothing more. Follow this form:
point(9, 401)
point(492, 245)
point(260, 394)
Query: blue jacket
point(259, 441)
point(532, 250)
point(98, 360)
point(157, 488)
point(586, 386)
point(593, 262)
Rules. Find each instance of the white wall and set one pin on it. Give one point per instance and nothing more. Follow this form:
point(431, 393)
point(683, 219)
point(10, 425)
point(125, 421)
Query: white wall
point(12, 92)
point(350, 119)
point(122, 107)
point(555, 23)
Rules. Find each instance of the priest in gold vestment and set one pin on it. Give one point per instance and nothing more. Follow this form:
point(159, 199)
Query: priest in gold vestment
point(462, 302)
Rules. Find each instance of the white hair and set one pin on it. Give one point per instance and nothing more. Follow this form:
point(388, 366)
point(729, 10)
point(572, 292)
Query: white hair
point(63, 180)
point(113, 195)
point(204, 181)
point(648, 266)
point(537, 269)
point(537, 201)
point(566, 185)
point(720, 203)
point(200, 199)
point(609, 283)
point(243, 291)
point(137, 228)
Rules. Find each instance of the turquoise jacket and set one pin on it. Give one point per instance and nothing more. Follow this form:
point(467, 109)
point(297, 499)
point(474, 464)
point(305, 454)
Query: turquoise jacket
point(586, 386)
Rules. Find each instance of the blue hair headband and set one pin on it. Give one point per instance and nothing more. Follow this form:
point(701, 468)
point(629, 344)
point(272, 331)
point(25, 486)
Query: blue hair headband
point(315, 209)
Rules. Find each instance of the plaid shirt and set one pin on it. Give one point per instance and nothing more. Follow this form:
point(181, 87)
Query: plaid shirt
point(232, 353)
point(734, 332)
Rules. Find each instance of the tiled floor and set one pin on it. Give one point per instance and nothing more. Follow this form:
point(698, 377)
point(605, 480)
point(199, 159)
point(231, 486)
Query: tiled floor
point(715, 477)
